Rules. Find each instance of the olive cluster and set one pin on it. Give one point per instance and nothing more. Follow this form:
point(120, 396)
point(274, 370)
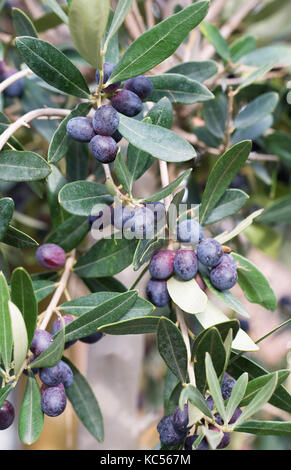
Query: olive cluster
point(174, 429)
point(102, 130)
point(186, 263)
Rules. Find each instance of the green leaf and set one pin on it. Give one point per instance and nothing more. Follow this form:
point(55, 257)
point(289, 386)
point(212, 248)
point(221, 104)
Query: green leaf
point(81, 305)
point(187, 295)
point(212, 316)
point(19, 333)
point(159, 142)
point(254, 76)
point(106, 258)
point(6, 213)
point(254, 284)
point(242, 47)
point(22, 23)
point(164, 192)
point(223, 172)
point(279, 54)
point(236, 396)
point(18, 239)
point(69, 234)
point(22, 166)
point(226, 236)
point(172, 348)
point(178, 89)
point(80, 197)
point(279, 143)
point(145, 249)
point(192, 394)
point(112, 45)
point(52, 355)
point(266, 428)
point(158, 43)
point(256, 110)
point(31, 418)
point(6, 338)
point(52, 66)
point(123, 173)
point(199, 71)
point(23, 296)
point(261, 398)
point(133, 326)
point(223, 329)
point(256, 384)
point(48, 21)
point(43, 288)
point(55, 7)
point(4, 392)
point(59, 144)
point(88, 27)
point(227, 297)
point(215, 115)
point(253, 132)
point(120, 13)
point(281, 398)
point(85, 404)
point(212, 34)
point(210, 343)
point(77, 162)
point(107, 284)
point(214, 387)
point(278, 211)
point(230, 203)
point(138, 161)
point(106, 313)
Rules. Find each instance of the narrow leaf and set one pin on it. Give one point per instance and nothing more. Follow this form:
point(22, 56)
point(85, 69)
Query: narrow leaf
point(261, 398)
point(221, 176)
point(159, 142)
point(31, 418)
point(159, 42)
point(254, 284)
point(22, 166)
point(88, 27)
point(187, 295)
point(214, 387)
point(19, 333)
point(172, 348)
point(6, 338)
point(108, 312)
point(6, 213)
point(23, 296)
point(52, 66)
point(106, 258)
point(85, 403)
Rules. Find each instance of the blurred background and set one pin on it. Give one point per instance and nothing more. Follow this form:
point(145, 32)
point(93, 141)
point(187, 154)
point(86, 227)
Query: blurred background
point(126, 372)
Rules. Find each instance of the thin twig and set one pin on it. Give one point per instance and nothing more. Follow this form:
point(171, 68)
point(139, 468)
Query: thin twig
point(28, 117)
point(59, 291)
point(227, 29)
point(132, 26)
point(149, 13)
point(165, 180)
point(138, 17)
point(14, 78)
point(184, 331)
point(215, 9)
point(263, 157)
point(229, 119)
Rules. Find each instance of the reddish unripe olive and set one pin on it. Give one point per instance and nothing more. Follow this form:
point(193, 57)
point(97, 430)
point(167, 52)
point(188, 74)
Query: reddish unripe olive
point(51, 256)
